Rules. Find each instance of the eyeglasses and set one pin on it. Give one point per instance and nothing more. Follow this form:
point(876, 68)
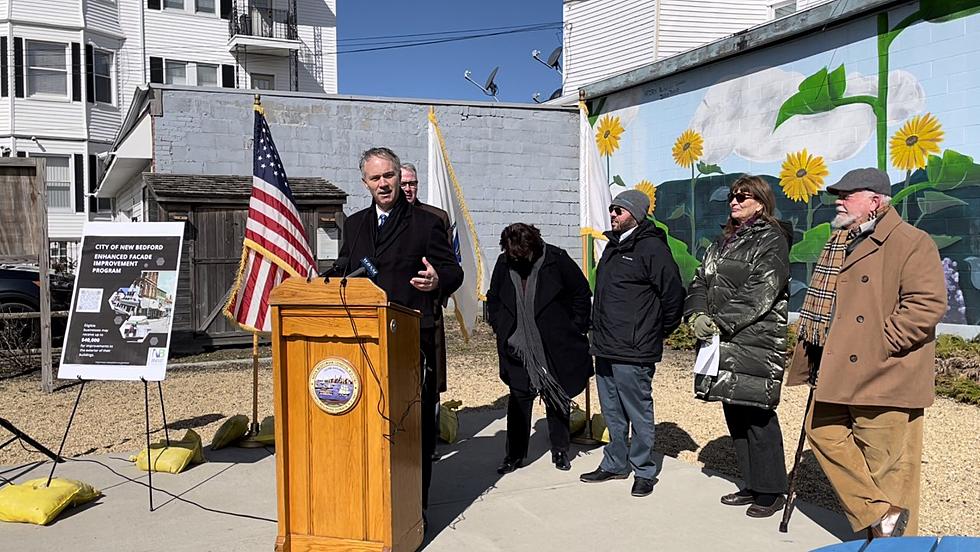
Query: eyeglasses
point(616, 210)
point(739, 196)
point(410, 183)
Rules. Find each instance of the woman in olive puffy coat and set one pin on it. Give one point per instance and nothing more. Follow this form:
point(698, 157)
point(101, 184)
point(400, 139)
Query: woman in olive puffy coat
point(741, 293)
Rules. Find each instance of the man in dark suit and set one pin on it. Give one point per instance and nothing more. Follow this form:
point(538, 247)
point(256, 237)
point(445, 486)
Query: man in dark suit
point(416, 268)
point(410, 186)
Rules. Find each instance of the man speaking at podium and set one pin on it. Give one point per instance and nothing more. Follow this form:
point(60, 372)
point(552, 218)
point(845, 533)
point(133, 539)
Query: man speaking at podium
point(416, 268)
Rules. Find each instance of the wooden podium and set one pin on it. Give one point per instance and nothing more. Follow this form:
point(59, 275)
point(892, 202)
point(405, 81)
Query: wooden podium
point(352, 480)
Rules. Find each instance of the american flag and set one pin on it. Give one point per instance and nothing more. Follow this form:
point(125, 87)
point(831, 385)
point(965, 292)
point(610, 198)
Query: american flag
point(276, 246)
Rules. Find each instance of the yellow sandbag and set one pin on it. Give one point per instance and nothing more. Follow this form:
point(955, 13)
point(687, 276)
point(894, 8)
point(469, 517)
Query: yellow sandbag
point(576, 420)
point(599, 430)
point(32, 502)
point(172, 459)
point(267, 431)
point(232, 430)
point(449, 421)
point(86, 493)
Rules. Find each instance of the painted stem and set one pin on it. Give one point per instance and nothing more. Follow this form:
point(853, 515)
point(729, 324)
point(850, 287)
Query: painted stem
point(694, 220)
point(905, 200)
point(809, 226)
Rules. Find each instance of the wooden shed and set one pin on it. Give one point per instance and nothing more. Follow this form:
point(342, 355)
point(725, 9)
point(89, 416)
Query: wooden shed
point(214, 208)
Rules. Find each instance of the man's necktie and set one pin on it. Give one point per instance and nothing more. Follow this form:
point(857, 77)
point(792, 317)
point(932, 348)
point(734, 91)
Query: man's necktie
point(381, 220)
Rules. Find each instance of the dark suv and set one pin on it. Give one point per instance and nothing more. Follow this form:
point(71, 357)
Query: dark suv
point(20, 292)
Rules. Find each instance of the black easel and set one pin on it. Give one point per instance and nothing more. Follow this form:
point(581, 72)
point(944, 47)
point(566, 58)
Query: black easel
point(57, 457)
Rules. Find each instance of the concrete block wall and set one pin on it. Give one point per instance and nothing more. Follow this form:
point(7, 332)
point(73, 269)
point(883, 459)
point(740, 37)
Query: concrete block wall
point(514, 163)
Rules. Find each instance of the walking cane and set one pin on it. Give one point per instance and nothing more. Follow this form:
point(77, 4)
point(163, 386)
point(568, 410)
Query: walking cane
point(794, 473)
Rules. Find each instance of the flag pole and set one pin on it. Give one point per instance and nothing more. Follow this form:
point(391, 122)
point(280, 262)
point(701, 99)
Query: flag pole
point(249, 441)
point(588, 266)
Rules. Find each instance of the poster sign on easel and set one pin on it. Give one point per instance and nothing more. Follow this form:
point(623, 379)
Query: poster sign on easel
point(123, 303)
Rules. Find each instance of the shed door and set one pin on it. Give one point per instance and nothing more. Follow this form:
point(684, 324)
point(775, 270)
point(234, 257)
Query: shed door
point(217, 252)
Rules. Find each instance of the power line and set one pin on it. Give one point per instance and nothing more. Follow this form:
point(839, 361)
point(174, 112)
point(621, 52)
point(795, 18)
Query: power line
point(485, 29)
point(409, 44)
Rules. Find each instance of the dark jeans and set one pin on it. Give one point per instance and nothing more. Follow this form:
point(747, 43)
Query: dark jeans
point(758, 447)
point(429, 400)
point(625, 395)
point(519, 407)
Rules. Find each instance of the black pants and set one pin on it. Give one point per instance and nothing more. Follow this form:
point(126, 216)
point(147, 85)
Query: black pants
point(758, 447)
point(519, 424)
point(429, 400)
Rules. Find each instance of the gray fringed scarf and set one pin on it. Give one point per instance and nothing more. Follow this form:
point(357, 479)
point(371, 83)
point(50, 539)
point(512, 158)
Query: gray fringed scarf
point(527, 345)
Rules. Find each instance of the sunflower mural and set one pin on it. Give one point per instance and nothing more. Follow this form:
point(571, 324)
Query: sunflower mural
point(688, 148)
point(801, 178)
point(912, 145)
point(687, 152)
point(608, 134)
point(650, 191)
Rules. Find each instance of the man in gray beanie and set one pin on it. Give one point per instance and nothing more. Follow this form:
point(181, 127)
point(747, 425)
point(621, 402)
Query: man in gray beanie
point(639, 300)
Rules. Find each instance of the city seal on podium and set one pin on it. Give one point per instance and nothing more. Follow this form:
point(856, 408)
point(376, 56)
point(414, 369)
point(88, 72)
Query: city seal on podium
point(335, 385)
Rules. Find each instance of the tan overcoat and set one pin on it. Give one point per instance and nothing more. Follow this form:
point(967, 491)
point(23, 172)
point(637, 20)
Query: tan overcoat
point(881, 348)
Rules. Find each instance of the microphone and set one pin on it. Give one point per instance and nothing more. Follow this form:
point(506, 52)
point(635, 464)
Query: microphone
point(367, 267)
point(337, 268)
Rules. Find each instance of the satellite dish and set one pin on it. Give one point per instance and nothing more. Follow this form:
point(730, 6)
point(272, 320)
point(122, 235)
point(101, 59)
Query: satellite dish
point(536, 96)
point(490, 86)
point(555, 95)
point(554, 58)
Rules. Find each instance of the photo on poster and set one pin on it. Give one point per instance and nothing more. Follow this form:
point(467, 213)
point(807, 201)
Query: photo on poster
point(123, 306)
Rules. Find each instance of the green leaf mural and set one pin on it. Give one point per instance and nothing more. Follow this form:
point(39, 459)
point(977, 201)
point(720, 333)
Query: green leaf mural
point(911, 190)
point(945, 241)
point(704, 168)
point(808, 249)
point(677, 213)
point(682, 256)
point(617, 180)
point(933, 202)
point(952, 170)
point(818, 93)
point(938, 11)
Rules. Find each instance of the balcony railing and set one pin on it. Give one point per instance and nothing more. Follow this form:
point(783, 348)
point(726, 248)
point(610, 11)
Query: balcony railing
point(250, 20)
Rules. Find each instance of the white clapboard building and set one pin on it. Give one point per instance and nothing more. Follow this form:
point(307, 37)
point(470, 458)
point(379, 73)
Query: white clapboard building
point(604, 38)
point(70, 68)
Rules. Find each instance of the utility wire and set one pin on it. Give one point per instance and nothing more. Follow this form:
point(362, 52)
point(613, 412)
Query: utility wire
point(459, 31)
point(440, 40)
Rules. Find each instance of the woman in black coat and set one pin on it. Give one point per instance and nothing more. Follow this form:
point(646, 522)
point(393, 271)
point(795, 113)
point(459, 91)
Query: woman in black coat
point(741, 292)
point(543, 349)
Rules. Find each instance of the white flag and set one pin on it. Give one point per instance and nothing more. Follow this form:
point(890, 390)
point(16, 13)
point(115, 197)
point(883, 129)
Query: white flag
point(593, 191)
point(446, 194)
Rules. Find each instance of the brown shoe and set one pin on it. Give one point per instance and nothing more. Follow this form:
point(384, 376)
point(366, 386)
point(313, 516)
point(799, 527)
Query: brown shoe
point(740, 498)
point(758, 511)
point(892, 524)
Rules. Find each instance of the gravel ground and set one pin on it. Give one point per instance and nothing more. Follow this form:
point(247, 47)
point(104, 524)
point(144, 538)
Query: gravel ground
point(110, 419)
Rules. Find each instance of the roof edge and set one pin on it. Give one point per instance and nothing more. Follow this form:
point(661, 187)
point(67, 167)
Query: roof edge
point(792, 26)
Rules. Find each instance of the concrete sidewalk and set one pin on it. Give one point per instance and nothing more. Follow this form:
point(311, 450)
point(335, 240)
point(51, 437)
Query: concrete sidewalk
point(229, 503)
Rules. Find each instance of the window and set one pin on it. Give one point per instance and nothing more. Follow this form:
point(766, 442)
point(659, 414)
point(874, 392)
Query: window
point(58, 180)
point(263, 82)
point(173, 4)
point(207, 75)
point(102, 67)
point(175, 72)
point(47, 68)
point(782, 9)
point(204, 6)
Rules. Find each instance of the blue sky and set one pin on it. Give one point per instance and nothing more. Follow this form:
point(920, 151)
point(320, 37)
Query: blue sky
point(436, 71)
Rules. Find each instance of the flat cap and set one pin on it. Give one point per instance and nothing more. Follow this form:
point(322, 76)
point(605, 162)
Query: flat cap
point(863, 179)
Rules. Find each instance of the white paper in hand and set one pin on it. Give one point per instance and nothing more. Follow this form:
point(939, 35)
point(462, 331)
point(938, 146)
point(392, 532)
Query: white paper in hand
point(707, 362)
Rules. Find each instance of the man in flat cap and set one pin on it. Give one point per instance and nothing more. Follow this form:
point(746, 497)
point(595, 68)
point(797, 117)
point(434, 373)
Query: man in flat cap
point(639, 300)
point(867, 343)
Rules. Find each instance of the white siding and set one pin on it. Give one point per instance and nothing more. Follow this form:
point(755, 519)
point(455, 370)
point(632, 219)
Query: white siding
point(322, 14)
point(188, 37)
point(104, 121)
point(131, 66)
point(102, 15)
point(606, 38)
point(52, 12)
point(60, 118)
point(268, 65)
point(682, 22)
point(129, 201)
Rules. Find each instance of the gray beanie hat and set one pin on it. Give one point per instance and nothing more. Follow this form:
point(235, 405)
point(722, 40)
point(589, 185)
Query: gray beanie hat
point(634, 201)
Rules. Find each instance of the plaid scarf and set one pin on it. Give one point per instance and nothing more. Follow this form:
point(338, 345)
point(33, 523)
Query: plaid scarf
point(818, 304)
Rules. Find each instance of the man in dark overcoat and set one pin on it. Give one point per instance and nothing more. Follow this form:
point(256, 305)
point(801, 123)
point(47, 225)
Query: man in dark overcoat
point(416, 268)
